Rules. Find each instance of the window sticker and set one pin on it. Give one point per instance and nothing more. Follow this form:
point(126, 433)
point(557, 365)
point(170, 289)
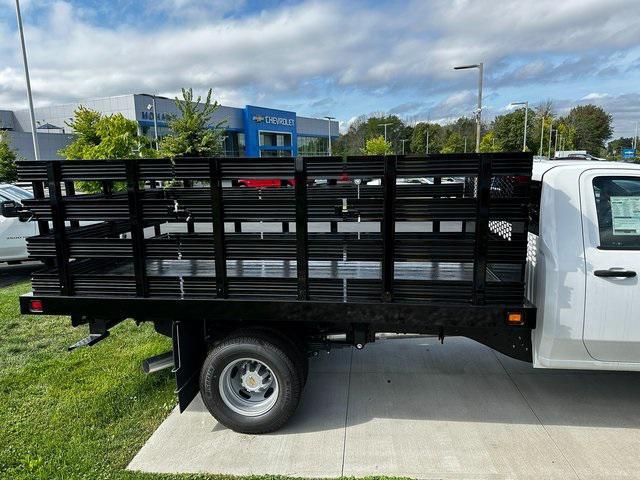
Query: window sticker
point(625, 215)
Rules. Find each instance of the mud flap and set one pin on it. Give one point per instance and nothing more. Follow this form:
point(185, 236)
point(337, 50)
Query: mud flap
point(188, 355)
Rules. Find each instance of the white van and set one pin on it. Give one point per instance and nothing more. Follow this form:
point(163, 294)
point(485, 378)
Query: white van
point(13, 233)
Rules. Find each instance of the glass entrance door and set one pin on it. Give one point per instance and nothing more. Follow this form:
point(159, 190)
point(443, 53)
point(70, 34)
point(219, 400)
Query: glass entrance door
point(275, 144)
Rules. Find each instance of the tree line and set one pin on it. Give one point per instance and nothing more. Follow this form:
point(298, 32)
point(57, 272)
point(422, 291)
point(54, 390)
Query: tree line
point(191, 133)
point(584, 127)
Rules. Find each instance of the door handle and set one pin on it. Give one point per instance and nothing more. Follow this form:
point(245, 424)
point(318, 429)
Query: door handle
point(615, 273)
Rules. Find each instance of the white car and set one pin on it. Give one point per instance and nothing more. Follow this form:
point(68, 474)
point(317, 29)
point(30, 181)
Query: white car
point(13, 233)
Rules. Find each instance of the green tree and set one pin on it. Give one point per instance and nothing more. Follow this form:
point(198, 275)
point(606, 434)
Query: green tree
point(566, 136)
point(192, 133)
point(466, 128)
point(614, 147)
point(591, 127)
point(100, 136)
point(454, 144)
point(489, 143)
point(508, 130)
point(366, 127)
point(419, 138)
point(377, 146)
point(8, 169)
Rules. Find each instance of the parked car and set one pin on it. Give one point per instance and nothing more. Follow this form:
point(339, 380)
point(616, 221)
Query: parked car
point(13, 233)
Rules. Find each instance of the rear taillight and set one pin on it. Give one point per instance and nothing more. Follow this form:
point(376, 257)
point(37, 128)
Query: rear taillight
point(35, 306)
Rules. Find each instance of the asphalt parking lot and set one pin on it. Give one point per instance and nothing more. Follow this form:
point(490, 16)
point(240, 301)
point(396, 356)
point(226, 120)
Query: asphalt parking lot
point(10, 274)
point(420, 409)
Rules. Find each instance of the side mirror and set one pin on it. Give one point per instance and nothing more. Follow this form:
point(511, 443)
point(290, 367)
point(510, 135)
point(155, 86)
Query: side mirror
point(9, 208)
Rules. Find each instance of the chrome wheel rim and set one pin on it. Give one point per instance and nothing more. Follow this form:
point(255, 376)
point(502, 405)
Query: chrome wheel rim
point(248, 387)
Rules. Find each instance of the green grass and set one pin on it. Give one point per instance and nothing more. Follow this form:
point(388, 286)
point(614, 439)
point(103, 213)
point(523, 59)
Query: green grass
point(81, 414)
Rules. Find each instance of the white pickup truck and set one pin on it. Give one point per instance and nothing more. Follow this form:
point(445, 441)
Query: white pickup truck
point(583, 265)
point(13, 233)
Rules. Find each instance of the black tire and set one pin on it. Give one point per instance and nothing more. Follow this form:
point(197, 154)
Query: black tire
point(291, 343)
point(281, 362)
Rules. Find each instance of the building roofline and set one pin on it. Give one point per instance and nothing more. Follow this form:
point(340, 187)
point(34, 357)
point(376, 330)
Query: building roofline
point(79, 102)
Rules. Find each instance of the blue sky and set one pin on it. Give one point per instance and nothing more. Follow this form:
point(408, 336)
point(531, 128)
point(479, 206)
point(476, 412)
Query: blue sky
point(343, 58)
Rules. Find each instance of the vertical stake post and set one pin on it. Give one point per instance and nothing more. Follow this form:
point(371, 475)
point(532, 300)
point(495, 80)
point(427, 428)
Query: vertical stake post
point(302, 233)
point(388, 227)
point(481, 229)
point(215, 185)
point(137, 227)
point(58, 221)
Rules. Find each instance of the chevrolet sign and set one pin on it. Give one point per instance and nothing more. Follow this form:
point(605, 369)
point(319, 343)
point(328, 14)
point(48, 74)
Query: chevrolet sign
point(273, 120)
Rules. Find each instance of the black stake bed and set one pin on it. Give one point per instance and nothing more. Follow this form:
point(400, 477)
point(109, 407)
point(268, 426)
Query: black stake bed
point(414, 244)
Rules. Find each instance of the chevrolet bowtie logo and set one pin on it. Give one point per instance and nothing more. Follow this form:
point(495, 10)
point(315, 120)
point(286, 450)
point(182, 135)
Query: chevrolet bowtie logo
point(258, 118)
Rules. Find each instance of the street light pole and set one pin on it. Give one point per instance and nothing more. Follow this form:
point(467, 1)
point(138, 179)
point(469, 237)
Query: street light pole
point(34, 133)
point(403, 142)
point(555, 148)
point(152, 106)
point(329, 123)
point(526, 118)
point(155, 121)
point(550, 135)
point(385, 129)
point(541, 134)
point(480, 67)
point(427, 139)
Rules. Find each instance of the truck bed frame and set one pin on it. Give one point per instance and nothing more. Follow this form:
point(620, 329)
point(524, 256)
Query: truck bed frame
point(443, 249)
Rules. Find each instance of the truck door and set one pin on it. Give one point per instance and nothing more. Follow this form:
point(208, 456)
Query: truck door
point(13, 235)
point(610, 202)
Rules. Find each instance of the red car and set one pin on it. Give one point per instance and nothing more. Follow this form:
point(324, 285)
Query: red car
point(265, 183)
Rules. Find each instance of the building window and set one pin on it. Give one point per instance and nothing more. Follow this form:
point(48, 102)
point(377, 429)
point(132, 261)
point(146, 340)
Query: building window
point(313, 146)
point(149, 132)
point(273, 139)
point(275, 153)
point(234, 144)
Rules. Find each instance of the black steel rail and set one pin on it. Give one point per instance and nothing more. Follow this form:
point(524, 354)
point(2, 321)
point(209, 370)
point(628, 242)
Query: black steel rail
point(456, 246)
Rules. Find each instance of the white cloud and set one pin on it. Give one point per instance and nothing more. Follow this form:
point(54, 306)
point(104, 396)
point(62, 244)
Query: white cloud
point(317, 47)
point(594, 96)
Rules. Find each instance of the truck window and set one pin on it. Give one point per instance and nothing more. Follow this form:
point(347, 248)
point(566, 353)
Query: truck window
point(618, 207)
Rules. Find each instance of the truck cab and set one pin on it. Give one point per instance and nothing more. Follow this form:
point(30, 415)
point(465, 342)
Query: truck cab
point(13, 233)
point(583, 264)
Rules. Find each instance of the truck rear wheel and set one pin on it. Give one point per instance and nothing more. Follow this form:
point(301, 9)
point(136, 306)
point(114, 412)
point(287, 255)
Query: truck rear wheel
point(291, 342)
point(251, 384)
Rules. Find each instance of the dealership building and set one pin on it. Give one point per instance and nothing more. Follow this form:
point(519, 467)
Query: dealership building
point(251, 131)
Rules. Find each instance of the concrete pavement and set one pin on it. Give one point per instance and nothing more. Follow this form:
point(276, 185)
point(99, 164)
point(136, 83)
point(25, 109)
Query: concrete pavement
point(417, 408)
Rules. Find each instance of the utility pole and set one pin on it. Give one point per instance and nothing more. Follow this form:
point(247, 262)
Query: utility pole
point(526, 118)
point(635, 139)
point(550, 135)
point(555, 147)
point(329, 123)
point(480, 67)
point(465, 144)
point(34, 133)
